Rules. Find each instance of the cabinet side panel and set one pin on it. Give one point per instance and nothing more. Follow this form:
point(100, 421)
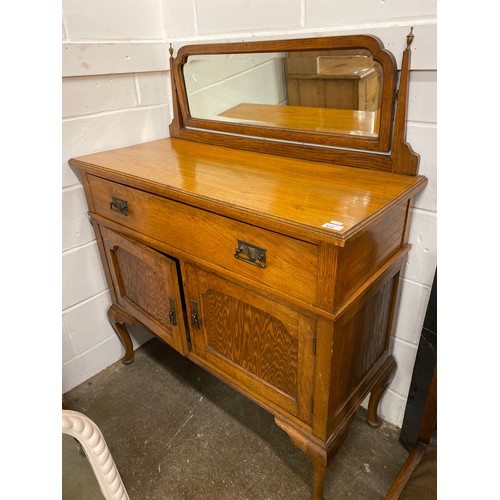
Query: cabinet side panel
point(360, 344)
point(360, 258)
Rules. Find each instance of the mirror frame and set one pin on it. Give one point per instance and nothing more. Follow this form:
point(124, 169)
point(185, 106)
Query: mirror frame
point(389, 152)
point(386, 60)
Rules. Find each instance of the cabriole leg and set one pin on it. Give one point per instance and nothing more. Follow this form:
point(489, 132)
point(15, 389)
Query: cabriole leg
point(378, 390)
point(319, 470)
point(316, 453)
point(119, 319)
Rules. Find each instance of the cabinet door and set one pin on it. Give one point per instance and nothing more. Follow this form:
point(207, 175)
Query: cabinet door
point(261, 345)
point(146, 285)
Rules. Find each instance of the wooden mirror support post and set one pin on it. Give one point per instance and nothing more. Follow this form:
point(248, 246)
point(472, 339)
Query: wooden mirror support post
point(273, 264)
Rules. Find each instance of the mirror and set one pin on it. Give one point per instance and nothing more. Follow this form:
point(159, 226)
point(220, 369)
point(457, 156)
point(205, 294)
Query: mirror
point(331, 91)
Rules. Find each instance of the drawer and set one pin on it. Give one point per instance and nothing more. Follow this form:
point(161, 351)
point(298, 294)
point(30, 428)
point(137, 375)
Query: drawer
point(290, 264)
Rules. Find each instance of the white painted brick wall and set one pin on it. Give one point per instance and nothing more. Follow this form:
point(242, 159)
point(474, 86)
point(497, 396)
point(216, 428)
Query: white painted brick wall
point(82, 274)
point(179, 19)
point(103, 58)
point(112, 20)
point(107, 93)
point(76, 229)
point(413, 301)
point(116, 92)
point(222, 16)
point(333, 13)
point(87, 324)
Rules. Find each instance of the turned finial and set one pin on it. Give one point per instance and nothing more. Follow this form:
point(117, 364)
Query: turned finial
point(171, 51)
point(409, 38)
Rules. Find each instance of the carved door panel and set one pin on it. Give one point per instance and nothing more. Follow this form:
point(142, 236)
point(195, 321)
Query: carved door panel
point(261, 344)
point(147, 286)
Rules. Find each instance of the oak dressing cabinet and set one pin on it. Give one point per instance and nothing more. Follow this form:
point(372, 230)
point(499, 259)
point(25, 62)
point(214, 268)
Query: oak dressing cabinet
point(266, 246)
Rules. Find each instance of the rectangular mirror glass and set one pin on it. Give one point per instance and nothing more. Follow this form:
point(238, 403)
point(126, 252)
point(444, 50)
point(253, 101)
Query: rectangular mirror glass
point(331, 91)
point(326, 92)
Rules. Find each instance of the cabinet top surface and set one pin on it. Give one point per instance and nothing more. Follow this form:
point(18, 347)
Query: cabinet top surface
point(287, 194)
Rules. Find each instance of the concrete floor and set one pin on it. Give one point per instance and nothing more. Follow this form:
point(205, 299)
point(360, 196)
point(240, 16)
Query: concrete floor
point(178, 433)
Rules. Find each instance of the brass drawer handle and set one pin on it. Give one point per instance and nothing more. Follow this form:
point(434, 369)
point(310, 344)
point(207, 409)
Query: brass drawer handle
point(118, 205)
point(252, 254)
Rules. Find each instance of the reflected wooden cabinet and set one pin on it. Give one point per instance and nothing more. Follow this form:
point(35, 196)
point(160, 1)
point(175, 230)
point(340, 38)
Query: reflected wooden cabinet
point(340, 80)
point(273, 265)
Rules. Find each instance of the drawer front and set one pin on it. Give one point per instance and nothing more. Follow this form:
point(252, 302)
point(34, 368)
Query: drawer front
point(271, 259)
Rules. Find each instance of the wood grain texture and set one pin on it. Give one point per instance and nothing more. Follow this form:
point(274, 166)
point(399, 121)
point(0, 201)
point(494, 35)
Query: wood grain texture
point(254, 340)
point(290, 264)
point(144, 281)
point(405, 159)
point(363, 255)
point(332, 121)
point(359, 342)
point(342, 79)
point(289, 196)
point(302, 151)
point(310, 365)
point(188, 256)
point(135, 278)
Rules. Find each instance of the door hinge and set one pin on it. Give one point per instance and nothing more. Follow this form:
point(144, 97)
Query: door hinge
point(314, 346)
point(195, 319)
point(171, 311)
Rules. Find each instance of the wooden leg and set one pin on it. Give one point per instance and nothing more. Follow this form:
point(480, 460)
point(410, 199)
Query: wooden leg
point(319, 470)
point(314, 450)
point(119, 319)
point(378, 390)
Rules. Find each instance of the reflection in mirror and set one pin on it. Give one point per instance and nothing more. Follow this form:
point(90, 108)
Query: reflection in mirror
point(218, 82)
point(341, 79)
point(334, 91)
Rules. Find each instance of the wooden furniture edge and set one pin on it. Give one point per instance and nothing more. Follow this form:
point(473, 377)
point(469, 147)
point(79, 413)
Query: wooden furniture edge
point(393, 153)
point(428, 423)
point(276, 224)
